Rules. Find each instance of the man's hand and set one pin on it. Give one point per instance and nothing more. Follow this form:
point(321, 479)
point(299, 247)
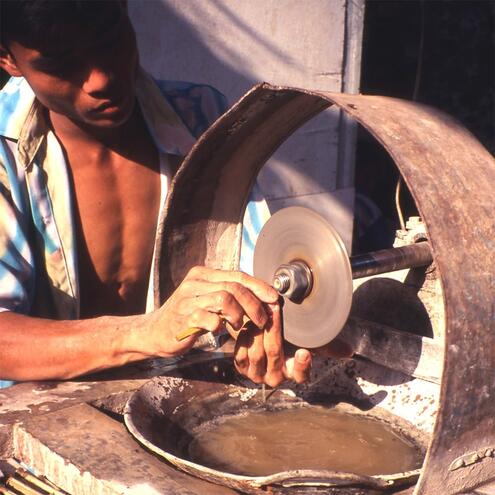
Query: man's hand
point(206, 299)
point(259, 355)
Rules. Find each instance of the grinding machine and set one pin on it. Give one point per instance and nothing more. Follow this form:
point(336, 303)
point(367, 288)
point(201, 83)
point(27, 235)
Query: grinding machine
point(420, 317)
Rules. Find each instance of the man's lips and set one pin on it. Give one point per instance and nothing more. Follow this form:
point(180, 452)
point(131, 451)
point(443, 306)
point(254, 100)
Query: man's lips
point(108, 106)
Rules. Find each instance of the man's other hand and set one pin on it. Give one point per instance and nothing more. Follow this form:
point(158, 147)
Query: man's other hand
point(259, 354)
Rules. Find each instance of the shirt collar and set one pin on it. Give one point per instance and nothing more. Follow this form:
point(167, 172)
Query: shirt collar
point(22, 118)
point(16, 101)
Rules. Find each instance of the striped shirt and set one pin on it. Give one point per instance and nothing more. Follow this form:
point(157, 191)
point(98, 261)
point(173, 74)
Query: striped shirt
point(38, 261)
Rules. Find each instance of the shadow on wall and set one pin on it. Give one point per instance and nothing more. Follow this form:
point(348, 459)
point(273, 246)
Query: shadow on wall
point(211, 66)
point(307, 163)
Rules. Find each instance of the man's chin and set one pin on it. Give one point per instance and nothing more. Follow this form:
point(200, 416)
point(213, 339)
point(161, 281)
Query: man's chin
point(107, 123)
point(112, 117)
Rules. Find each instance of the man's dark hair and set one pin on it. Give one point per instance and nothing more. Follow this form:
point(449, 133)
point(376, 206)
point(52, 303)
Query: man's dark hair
point(45, 24)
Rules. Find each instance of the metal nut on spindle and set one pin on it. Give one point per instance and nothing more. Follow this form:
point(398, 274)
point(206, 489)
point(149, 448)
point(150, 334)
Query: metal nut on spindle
point(293, 280)
point(281, 282)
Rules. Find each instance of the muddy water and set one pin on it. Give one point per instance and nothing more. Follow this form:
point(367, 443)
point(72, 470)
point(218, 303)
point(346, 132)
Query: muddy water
point(266, 442)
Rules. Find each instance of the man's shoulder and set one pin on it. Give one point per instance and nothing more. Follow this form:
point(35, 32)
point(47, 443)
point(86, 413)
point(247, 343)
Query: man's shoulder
point(16, 100)
point(198, 105)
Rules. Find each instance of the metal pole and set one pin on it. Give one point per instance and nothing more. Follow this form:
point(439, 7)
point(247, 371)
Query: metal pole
point(389, 260)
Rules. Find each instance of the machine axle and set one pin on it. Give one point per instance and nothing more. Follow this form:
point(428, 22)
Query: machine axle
point(391, 260)
point(295, 280)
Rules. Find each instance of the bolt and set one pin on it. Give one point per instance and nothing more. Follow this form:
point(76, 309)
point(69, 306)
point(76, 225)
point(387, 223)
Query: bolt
point(293, 280)
point(281, 283)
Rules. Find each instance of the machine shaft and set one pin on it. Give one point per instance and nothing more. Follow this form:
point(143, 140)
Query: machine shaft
point(294, 280)
point(390, 260)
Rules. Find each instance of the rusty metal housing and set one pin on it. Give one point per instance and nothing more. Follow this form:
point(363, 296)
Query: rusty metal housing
point(451, 178)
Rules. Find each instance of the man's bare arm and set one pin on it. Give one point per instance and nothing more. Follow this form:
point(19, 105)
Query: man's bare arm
point(41, 349)
point(37, 349)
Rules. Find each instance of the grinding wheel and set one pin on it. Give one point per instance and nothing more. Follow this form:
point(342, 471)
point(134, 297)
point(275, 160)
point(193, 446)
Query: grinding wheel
point(298, 234)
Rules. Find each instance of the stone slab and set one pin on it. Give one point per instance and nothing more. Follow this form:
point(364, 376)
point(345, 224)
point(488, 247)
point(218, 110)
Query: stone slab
point(86, 452)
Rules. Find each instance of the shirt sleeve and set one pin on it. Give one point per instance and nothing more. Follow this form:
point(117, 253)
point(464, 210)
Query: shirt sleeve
point(16, 260)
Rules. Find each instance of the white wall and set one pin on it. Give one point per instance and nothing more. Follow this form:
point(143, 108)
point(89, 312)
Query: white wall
point(234, 44)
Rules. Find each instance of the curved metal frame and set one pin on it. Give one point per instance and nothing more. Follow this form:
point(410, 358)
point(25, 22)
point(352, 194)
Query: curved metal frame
point(451, 177)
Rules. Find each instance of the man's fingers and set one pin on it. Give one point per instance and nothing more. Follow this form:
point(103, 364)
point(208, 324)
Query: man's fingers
point(256, 356)
point(218, 302)
point(249, 355)
point(273, 344)
point(241, 359)
point(251, 305)
point(228, 298)
point(260, 289)
point(299, 367)
point(201, 318)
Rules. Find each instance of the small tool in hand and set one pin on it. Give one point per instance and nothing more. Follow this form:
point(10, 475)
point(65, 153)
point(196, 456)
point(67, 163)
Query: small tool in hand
point(195, 330)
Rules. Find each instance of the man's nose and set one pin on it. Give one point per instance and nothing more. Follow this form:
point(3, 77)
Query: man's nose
point(98, 81)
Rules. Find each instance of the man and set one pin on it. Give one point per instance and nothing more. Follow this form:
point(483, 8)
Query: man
point(88, 148)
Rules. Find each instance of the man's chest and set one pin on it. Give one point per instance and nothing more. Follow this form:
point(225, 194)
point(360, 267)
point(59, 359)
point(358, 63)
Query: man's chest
point(117, 203)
